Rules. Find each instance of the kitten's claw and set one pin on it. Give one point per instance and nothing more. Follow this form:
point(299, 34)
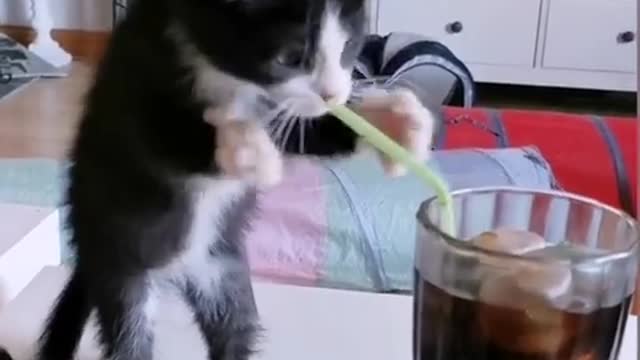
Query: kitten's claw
point(245, 150)
point(401, 116)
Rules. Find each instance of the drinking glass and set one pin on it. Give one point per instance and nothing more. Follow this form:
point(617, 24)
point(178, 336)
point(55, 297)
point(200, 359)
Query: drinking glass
point(566, 298)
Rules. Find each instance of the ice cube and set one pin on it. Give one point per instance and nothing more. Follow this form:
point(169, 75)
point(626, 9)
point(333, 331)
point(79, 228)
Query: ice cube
point(509, 241)
point(522, 301)
point(547, 280)
point(500, 290)
point(515, 320)
point(568, 251)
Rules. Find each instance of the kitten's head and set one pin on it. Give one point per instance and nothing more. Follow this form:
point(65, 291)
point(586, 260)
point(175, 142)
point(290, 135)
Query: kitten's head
point(301, 52)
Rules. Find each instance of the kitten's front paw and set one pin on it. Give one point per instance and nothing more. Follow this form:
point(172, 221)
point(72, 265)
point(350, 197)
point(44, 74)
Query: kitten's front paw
point(401, 116)
point(245, 150)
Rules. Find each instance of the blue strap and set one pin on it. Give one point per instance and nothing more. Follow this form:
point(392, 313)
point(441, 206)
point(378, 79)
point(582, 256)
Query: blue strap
point(622, 178)
point(498, 128)
point(441, 136)
point(371, 244)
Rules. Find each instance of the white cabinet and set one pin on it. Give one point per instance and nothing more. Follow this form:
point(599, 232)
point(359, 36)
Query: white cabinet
point(509, 40)
point(569, 43)
point(592, 35)
point(417, 16)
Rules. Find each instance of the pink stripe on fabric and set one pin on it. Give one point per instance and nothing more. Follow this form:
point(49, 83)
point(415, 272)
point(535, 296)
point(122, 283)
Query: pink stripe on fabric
point(288, 239)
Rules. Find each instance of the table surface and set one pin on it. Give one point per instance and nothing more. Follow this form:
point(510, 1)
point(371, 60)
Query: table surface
point(18, 221)
point(29, 241)
point(301, 323)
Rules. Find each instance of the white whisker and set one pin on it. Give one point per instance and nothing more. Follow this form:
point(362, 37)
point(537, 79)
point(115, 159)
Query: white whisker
point(280, 129)
point(283, 121)
point(276, 112)
point(303, 126)
point(284, 124)
point(290, 126)
point(277, 123)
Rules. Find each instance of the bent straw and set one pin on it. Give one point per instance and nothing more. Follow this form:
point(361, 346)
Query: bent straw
point(397, 153)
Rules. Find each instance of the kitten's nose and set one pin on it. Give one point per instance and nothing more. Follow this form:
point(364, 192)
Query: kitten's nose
point(329, 97)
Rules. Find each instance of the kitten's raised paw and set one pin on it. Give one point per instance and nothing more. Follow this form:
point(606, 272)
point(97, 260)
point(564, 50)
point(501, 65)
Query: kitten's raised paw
point(245, 150)
point(401, 116)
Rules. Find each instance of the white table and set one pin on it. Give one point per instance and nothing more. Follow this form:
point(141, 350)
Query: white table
point(29, 241)
point(302, 324)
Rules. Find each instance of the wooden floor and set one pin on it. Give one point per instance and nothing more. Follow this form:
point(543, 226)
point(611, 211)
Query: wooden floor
point(39, 120)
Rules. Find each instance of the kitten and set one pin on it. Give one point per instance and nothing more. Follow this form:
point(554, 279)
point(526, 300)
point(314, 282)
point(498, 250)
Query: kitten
point(170, 153)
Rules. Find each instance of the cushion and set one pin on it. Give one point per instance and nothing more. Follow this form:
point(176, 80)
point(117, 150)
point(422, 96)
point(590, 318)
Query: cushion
point(338, 223)
point(594, 156)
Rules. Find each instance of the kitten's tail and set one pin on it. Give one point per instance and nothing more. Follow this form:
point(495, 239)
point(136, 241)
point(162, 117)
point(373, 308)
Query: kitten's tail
point(66, 322)
point(4, 354)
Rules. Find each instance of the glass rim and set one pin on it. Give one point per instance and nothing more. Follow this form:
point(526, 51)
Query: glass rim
point(463, 246)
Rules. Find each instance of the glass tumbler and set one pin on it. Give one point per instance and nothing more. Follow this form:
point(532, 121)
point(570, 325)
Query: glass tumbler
point(560, 290)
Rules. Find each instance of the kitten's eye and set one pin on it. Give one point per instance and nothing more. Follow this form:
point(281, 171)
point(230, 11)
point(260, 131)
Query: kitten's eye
point(291, 57)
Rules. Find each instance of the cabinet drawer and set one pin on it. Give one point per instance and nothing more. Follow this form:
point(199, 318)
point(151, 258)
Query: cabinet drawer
point(500, 32)
point(596, 35)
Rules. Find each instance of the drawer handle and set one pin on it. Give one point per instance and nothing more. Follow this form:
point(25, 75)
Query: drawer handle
point(454, 27)
point(626, 37)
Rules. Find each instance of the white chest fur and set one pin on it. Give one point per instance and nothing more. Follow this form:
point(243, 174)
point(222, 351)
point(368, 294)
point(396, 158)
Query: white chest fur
point(211, 197)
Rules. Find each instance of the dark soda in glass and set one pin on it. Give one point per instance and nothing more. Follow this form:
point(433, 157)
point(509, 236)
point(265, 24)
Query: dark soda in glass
point(449, 327)
point(522, 274)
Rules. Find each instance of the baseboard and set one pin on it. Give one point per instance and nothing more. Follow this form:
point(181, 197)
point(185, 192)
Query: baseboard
point(87, 46)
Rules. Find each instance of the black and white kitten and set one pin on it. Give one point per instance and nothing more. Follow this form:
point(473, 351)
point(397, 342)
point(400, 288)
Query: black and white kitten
point(170, 152)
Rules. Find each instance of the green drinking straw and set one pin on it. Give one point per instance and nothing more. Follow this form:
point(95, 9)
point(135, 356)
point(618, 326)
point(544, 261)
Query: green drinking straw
point(397, 153)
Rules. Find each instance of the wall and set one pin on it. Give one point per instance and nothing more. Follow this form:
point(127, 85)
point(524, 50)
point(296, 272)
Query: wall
point(67, 14)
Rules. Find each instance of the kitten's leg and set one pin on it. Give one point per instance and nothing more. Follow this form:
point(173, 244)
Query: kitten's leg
point(124, 310)
point(401, 116)
point(245, 150)
point(227, 317)
point(66, 322)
